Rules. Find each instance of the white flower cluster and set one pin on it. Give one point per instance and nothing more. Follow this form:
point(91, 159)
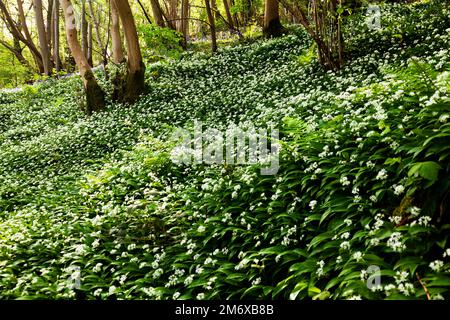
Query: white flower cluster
point(319, 271)
point(395, 242)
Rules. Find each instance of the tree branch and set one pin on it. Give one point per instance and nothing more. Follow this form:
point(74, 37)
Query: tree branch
point(423, 286)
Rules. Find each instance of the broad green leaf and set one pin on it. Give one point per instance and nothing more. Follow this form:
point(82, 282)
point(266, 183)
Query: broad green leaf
point(428, 170)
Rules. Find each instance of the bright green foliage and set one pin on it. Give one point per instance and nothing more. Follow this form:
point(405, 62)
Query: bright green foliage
point(160, 42)
point(12, 73)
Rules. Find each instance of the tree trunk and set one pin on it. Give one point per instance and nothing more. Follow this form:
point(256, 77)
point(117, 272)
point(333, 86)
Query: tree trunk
point(330, 45)
point(157, 13)
point(144, 11)
point(135, 82)
point(84, 29)
point(235, 16)
point(23, 21)
point(55, 35)
point(215, 10)
point(212, 26)
point(185, 22)
point(17, 51)
point(173, 5)
point(45, 53)
point(48, 30)
point(96, 21)
point(272, 26)
point(117, 49)
point(94, 94)
point(16, 33)
point(90, 43)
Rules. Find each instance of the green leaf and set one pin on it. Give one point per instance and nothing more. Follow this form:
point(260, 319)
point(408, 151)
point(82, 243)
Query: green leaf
point(322, 296)
point(428, 170)
point(439, 281)
point(409, 262)
point(318, 239)
point(298, 288)
point(313, 291)
point(390, 161)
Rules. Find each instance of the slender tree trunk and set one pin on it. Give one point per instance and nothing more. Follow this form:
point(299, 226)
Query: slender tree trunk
point(23, 21)
point(94, 93)
point(96, 21)
point(17, 52)
point(293, 10)
point(157, 13)
point(26, 38)
point(117, 49)
point(106, 44)
point(48, 29)
point(235, 16)
point(215, 10)
point(173, 16)
point(90, 43)
point(229, 17)
point(330, 53)
point(144, 11)
point(339, 36)
point(212, 26)
point(42, 36)
point(168, 17)
point(135, 82)
point(272, 26)
point(55, 36)
point(84, 28)
point(185, 22)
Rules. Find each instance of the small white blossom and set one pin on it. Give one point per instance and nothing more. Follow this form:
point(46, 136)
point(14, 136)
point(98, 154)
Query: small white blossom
point(176, 295)
point(398, 189)
point(394, 242)
point(98, 292)
point(97, 267)
point(200, 296)
point(344, 181)
point(382, 175)
point(436, 265)
point(415, 211)
point(357, 256)
point(345, 245)
point(112, 290)
point(446, 253)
